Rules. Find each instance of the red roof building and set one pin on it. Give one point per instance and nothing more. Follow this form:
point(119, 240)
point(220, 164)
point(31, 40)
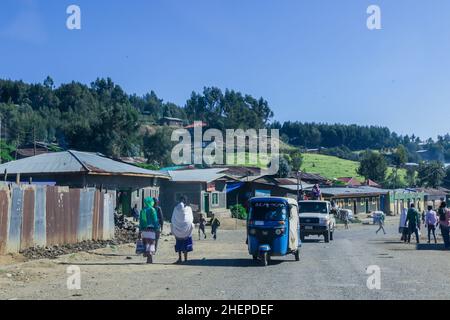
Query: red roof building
point(350, 182)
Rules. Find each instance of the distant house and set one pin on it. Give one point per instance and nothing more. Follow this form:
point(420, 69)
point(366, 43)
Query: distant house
point(311, 178)
point(172, 122)
point(205, 190)
point(350, 182)
point(262, 186)
point(240, 171)
point(434, 197)
point(83, 170)
point(372, 183)
point(400, 199)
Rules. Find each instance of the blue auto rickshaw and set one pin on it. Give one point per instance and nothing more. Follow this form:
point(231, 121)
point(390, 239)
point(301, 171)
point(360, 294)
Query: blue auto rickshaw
point(273, 228)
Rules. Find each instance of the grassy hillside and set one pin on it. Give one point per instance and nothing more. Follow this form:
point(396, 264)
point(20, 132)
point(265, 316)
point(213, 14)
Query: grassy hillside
point(333, 167)
point(328, 166)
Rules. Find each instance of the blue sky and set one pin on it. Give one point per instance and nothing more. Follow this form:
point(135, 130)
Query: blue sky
point(313, 60)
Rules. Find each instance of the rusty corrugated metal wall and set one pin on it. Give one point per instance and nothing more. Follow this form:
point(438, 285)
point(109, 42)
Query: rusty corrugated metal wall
point(45, 216)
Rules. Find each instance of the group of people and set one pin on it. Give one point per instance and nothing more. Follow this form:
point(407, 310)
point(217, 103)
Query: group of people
point(151, 222)
point(410, 223)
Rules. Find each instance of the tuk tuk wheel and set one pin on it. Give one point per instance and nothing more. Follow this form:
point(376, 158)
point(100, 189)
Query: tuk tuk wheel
point(297, 255)
point(265, 259)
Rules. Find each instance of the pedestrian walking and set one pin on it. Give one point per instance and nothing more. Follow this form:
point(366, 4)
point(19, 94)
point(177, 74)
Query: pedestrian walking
point(403, 228)
point(215, 224)
point(430, 223)
point(160, 216)
point(345, 217)
point(444, 222)
point(201, 227)
point(148, 226)
point(381, 223)
point(135, 213)
point(413, 220)
point(182, 228)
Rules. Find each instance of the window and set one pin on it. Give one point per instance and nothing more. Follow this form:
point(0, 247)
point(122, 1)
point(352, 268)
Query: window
point(362, 201)
point(215, 199)
point(374, 200)
point(349, 202)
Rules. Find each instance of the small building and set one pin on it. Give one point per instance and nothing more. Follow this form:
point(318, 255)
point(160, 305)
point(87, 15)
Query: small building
point(311, 178)
point(363, 199)
point(434, 197)
point(172, 122)
point(262, 186)
point(400, 199)
point(78, 169)
point(205, 190)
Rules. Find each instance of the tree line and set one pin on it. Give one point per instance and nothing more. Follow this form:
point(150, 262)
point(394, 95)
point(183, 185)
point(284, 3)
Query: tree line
point(431, 174)
point(102, 117)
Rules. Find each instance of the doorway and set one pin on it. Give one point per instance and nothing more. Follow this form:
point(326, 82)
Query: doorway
point(206, 202)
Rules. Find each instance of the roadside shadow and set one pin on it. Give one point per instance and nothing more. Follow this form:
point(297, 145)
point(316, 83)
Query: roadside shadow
point(135, 263)
point(110, 254)
point(227, 263)
point(431, 247)
point(311, 241)
point(106, 263)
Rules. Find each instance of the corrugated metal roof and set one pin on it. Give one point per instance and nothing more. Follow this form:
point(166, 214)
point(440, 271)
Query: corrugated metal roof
point(306, 186)
point(353, 191)
point(197, 175)
point(74, 161)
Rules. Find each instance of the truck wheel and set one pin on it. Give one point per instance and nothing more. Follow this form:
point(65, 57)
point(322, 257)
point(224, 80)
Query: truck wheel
point(297, 255)
point(326, 236)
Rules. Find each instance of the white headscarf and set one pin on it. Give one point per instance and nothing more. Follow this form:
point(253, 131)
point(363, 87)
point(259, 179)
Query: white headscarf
point(182, 221)
point(403, 217)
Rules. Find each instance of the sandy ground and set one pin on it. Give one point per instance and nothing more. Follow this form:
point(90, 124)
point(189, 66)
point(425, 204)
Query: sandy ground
point(223, 269)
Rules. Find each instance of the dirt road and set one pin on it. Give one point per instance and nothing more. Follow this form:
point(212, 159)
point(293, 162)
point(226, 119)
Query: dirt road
point(223, 269)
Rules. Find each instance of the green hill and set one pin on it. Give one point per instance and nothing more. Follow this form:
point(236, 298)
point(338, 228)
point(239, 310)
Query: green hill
point(333, 167)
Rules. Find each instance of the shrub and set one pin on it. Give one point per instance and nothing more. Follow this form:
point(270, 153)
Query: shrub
point(238, 212)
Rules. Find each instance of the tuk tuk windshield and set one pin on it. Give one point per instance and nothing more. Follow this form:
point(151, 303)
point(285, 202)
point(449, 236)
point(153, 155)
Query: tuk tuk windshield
point(275, 211)
point(312, 207)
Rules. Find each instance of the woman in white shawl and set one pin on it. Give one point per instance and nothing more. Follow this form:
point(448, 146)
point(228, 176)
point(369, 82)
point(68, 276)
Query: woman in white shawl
point(182, 228)
point(403, 228)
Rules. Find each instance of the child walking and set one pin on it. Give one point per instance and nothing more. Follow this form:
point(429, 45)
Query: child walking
point(215, 224)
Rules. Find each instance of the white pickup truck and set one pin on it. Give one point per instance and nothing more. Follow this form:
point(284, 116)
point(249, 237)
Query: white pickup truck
point(316, 218)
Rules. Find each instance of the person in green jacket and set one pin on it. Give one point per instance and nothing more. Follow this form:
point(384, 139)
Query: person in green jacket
point(148, 226)
point(413, 222)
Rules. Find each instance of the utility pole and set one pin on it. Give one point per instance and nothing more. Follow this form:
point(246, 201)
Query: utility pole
point(34, 140)
point(299, 185)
